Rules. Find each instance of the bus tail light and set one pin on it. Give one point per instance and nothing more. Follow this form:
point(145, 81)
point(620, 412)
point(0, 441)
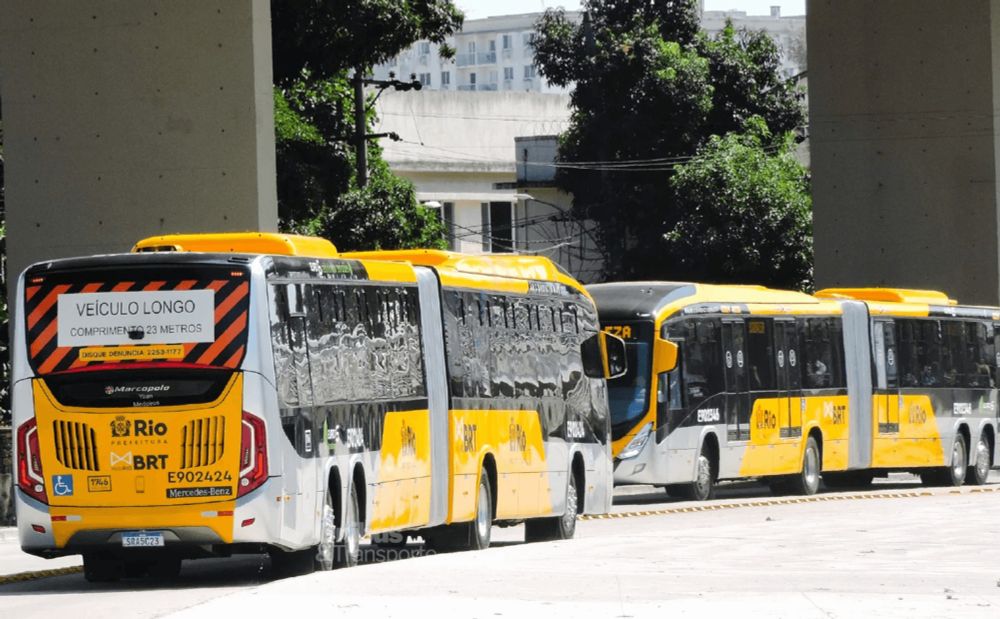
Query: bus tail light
point(253, 454)
point(29, 462)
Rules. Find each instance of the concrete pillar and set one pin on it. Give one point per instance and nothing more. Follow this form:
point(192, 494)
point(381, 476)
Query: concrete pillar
point(902, 110)
point(126, 119)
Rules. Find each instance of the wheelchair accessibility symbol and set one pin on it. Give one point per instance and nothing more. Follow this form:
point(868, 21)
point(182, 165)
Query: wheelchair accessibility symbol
point(62, 485)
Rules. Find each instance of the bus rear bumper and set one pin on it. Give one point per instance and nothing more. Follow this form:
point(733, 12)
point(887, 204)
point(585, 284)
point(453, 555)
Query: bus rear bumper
point(202, 529)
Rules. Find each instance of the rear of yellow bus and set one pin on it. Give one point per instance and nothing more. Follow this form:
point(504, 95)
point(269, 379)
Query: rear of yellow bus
point(132, 442)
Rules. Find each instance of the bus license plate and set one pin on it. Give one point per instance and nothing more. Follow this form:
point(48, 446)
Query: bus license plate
point(142, 540)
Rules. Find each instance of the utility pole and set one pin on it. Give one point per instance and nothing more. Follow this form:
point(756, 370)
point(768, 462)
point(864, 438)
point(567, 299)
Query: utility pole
point(361, 136)
point(361, 140)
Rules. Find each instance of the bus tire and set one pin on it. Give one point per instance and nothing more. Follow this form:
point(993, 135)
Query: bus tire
point(977, 474)
point(102, 569)
point(347, 551)
point(473, 535)
point(326, 550)
point(806, 482)
point(703, 487)
point(952, 475)
point(560, 527)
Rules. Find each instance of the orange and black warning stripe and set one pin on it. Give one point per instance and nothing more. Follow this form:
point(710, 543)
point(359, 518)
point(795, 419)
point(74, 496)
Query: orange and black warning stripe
point(232, 301)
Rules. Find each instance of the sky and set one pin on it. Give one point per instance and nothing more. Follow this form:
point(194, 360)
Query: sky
point(475, 9)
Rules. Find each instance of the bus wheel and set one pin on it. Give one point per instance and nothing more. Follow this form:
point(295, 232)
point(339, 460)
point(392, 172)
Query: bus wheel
point(952, 475)
point(346, 552)
point(807, 481)
point(702, 488)
point(560, 527)
point(101, 569)
point(473, 535)
point(327, 547)
point(977, 475)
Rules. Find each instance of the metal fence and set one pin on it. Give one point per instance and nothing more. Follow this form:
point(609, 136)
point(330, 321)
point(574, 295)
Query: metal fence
point(6, 476)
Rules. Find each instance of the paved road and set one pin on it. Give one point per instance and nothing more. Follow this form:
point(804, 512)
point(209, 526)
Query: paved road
point(923, 556)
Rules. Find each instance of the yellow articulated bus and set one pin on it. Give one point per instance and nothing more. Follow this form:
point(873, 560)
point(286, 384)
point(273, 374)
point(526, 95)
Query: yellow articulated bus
point(731, 382)
point(214, 394)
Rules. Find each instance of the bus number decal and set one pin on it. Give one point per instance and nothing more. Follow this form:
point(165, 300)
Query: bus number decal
point(469, 437)
point(709, 415)
point(355, 438)
point(197, 477)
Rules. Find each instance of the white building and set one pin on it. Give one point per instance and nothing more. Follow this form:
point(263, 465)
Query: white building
point(467, 153)
point(491, 54)
point(788, 33)
point(495, 54)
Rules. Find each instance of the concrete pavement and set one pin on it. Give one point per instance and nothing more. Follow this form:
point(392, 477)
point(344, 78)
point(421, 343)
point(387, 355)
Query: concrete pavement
point(928, 554)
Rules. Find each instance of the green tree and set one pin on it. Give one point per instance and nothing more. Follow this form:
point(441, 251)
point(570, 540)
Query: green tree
point(316, 45)
point(747, 213)
point(650, 90)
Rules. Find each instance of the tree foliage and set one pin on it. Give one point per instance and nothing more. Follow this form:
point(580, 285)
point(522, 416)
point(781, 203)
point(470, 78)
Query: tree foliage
point(328, 37)
point(650, 91)
point(315, 45)
point(747, 213)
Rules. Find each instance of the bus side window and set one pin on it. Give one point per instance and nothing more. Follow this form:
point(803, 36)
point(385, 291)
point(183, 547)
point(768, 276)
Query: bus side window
point(760, 355)
point(983, 354)
point(702, 354)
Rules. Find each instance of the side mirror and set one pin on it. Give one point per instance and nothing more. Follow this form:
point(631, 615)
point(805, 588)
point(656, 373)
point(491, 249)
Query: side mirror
point(664, 355)
point(603, 356)
point(615, 360)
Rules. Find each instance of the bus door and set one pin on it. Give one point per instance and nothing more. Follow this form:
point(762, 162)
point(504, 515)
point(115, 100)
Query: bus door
point(737, 399)
point(887, 399)
point(787, 357)
point(788, 380)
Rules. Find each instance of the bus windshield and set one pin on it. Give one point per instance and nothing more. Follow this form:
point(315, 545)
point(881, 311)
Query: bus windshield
point(628, 395)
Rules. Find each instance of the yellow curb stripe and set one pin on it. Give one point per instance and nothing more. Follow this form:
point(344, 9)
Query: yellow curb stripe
point(26, 576)
point(788, 501)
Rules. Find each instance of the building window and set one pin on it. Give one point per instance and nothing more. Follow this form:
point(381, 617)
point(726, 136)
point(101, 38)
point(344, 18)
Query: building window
point(424, 48)
point(472, 79)
point(425, 79)
point(508, 73)
point(529, 71)
point(528, 38)
point(498, 228)
point(445, 79)
point(506, 41)
point(448, 222)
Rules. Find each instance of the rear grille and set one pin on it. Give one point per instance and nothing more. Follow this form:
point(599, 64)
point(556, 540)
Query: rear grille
point(76, 445)
point(203, 441)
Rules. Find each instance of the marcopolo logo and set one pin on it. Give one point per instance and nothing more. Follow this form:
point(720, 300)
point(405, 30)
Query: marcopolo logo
point(140, 390)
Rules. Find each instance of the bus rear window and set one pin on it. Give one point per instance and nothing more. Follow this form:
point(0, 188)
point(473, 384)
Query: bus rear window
point(123, 388)
point(156, 313)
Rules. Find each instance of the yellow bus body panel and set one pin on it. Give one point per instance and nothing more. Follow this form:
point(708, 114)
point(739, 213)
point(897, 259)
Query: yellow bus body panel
point(514, 439)
point(403, 488)
point(112, 490)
